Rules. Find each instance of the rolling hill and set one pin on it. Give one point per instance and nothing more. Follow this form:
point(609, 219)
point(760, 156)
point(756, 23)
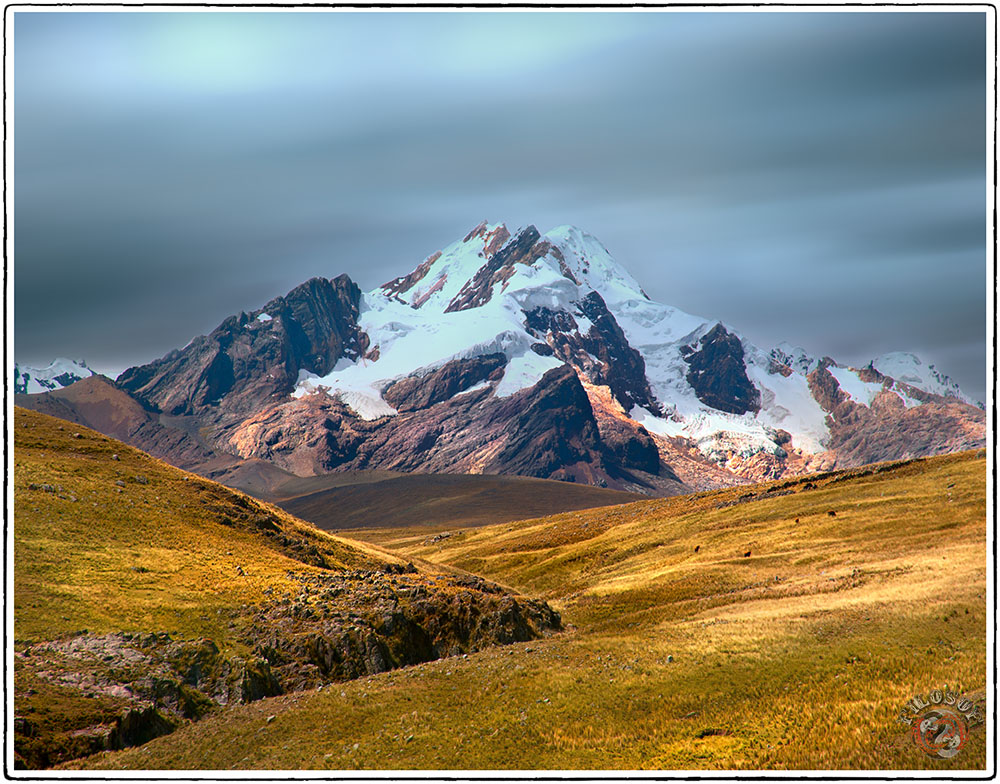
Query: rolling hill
point(779, 626)
point(146, 597)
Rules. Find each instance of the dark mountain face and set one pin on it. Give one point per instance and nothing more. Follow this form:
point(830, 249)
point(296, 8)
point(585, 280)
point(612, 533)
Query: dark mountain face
point(524, 249)
point(250, 360)
point(718, 374)
point(602, 354)
point(418, 392)
point(546, 431)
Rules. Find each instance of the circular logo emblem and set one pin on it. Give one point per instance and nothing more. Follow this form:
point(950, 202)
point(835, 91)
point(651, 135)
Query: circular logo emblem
point(939, 731)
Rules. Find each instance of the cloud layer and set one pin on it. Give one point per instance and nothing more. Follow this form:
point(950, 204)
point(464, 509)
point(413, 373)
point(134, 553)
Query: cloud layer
point(817, 177)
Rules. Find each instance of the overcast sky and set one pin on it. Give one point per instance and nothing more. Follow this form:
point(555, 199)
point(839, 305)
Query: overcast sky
point(812, 177)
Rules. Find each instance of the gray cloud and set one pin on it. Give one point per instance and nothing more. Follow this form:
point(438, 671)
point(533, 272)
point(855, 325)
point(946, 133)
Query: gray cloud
point(816, 177)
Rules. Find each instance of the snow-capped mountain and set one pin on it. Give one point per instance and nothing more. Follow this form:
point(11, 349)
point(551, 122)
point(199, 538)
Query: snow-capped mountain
point(546, 300)
point(909, 369)
point(58, 374)
point(538, 354)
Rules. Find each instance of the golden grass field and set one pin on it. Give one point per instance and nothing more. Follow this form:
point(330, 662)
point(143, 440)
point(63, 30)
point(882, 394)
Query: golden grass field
point(681, 652)
point(96, 548)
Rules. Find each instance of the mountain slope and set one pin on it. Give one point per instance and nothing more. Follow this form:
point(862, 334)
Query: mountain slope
point(684, 653)
point(249, 360)
point(146, 597)
point(436, 371)
point(98, 403)
point(545, 300)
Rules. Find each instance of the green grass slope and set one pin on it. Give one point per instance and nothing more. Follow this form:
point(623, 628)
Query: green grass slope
point(781, 626)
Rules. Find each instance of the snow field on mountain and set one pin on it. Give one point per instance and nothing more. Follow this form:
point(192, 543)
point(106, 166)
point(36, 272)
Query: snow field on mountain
point(456, 265)
point(416, 340)
point(715, 433)
point(593, 266)
point(859, 391)
point(787, 403)
point(43, 379)
point(421, 339)
point(909, 369)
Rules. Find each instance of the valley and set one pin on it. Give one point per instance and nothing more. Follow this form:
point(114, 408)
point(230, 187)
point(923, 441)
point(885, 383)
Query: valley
point(502, 512)
point(146, 597)
point(782, 625)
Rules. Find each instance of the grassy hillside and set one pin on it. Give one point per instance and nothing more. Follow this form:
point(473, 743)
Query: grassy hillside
point(107, 538)
point(446, 500)
point(146, 598)
point(776, 626)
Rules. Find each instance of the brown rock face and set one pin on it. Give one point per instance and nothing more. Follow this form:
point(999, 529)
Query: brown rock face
point(630, 444)
point(417, 392)
point(551, 433)
point(407, 282)
point(247, 362)
point(888, 430)
point(622, 367)
point(547, 431)
point(603, 355)
point(718, 374)
point(523, 249)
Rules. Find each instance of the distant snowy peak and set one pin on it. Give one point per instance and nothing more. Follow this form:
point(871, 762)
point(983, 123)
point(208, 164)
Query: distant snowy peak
point(489, 259)
point(910, 369)
point(794, 357)
point(58, 374)
point(439, 278)
point(581, 256)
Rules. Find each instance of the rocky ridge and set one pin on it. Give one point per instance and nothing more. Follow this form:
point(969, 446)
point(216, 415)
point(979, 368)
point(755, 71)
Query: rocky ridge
point(340, 626)
point(417, 375)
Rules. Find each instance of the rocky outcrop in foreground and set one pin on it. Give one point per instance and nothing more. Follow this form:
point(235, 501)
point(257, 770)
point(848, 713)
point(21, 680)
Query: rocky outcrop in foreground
point(121, 690)
point(350, 624)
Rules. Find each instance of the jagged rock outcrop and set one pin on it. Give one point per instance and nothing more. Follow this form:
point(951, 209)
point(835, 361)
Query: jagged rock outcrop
point(546, 431)
point(888, 429)
point(499, 267)
point(140, 686)
point(251, 359)
point(551, 433)
point(341, 625)
point(718, 375)
point(602, 353)
point(348, 625)
point(423, 391)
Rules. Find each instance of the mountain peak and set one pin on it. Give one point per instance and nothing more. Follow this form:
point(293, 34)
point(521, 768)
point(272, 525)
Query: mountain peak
point(57, 374)
point(910, 369)
point(590, 263)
